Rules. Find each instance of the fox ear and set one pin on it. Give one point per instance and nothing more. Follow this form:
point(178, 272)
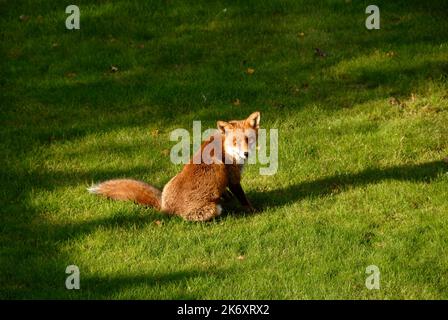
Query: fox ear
point(254, 120)
point(222, 125)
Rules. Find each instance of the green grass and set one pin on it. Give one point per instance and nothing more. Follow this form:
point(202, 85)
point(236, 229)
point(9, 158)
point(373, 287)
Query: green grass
point(362, 137)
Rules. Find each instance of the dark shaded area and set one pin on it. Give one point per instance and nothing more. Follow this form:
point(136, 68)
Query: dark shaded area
point(103, 287)
point(419, 173)
point(169, 89)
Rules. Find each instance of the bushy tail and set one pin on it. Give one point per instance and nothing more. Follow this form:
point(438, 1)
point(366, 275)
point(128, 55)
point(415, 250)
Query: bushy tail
point(127, 189)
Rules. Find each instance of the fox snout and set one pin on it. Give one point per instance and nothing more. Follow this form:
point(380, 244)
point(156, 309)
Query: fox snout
point(240, 136)
point(243, 147)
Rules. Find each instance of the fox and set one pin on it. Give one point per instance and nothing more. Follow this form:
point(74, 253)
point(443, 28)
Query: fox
point(211, 175)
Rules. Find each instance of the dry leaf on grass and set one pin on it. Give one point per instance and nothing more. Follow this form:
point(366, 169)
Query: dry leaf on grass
point(320, 52)
point(396, 102)
point(70, 74)
point(250, 71)
point(390, 54)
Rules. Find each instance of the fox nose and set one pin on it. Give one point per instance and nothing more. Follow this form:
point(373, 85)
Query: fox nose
point(246, 154)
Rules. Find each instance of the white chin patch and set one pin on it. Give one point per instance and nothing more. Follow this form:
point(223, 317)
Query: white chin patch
point(218, 209)
point(235, 153)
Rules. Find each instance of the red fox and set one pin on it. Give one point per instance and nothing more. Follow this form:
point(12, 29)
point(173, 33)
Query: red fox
point(195, 192)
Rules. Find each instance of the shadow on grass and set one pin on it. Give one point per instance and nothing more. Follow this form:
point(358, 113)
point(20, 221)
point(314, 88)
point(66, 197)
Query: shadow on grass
point(424, 172)
point(150, 94)
point(120, 220)
point(106, 287)
point(33, 263)
point(36, 246)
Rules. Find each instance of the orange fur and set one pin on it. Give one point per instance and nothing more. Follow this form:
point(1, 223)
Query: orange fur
point(127, 189)
point(196, 191)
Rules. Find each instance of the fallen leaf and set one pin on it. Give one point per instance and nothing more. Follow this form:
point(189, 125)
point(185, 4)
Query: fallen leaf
point(390, 54)
point(70, 74)
point(15, 53)
point(427, 109)
point(394, 101)
point(240, 257)
point(397, 102)
point(250, 71)
point(158, 222)
point(113, 68)
point(236, 102)
point(320, 52)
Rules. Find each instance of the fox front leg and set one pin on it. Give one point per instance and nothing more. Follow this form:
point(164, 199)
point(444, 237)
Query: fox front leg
point(238, 191)
point(227, 195)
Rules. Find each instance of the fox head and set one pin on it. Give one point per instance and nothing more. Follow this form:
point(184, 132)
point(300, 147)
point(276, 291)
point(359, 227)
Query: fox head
point(240, 137)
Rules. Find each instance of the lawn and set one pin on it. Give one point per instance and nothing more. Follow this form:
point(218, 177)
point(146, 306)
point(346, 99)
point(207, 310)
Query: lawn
point(363, 145)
